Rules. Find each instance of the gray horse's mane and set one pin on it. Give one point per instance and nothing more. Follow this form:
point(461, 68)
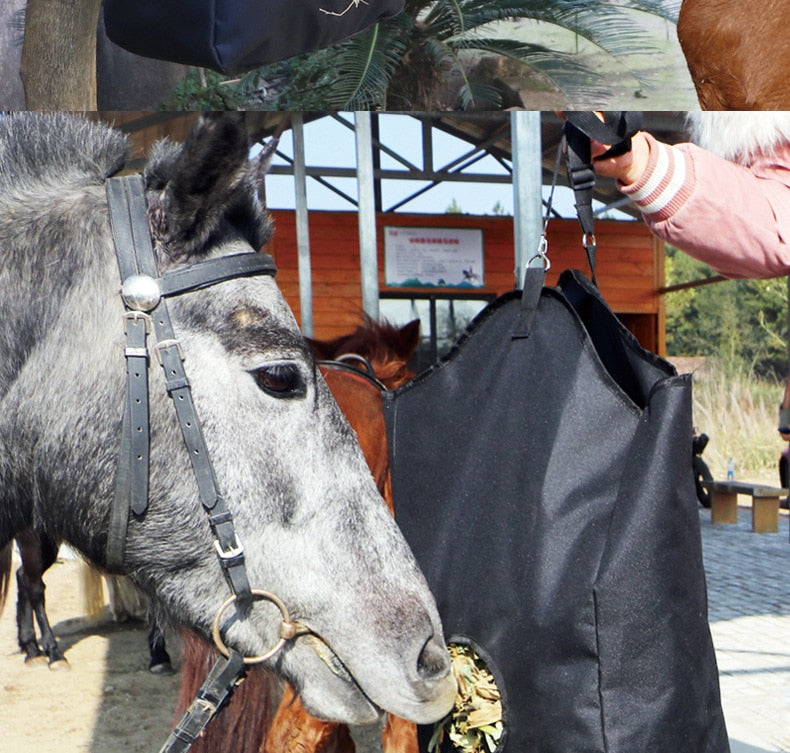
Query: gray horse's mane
point(212, 185)
point(36, 147)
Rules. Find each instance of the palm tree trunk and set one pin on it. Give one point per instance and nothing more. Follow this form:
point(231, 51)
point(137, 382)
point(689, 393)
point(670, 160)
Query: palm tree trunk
point(59, 54)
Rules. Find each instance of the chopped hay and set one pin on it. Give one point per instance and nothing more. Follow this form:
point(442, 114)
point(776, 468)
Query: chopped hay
point(475, 723)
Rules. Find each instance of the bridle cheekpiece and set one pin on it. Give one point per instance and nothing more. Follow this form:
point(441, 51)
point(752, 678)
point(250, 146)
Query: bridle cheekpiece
point(144, 293)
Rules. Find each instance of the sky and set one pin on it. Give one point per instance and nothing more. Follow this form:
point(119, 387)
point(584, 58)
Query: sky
point(330, 144)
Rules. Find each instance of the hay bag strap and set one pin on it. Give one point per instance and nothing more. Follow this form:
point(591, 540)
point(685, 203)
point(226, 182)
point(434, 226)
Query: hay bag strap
point(616, 130)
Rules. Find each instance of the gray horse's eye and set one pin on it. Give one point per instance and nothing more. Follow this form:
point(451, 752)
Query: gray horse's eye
point(280, 380)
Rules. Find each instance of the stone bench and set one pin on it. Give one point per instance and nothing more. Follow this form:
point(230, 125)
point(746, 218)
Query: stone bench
point(765, 503)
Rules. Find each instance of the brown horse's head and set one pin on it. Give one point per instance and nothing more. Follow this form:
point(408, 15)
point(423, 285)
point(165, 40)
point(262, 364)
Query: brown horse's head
point(385, 346)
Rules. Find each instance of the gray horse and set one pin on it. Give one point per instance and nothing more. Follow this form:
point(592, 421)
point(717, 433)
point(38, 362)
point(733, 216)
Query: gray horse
point(314, 528)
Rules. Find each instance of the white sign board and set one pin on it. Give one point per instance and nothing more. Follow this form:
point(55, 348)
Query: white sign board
point(433, 257)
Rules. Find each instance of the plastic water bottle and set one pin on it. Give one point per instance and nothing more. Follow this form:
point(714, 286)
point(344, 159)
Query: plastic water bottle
point(730, 470)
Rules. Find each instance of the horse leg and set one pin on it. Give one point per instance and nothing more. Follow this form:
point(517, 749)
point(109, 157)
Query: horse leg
point(128, 603)
point(26, 633)
point(160, 663)
point(38, 551)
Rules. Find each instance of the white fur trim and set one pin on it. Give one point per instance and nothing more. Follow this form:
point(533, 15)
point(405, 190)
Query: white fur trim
point(739, 136)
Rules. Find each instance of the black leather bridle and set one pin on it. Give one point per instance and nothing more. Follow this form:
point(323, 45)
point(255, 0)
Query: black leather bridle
point(144, 293)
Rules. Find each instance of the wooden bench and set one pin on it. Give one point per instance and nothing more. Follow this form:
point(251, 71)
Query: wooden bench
point(765, 503)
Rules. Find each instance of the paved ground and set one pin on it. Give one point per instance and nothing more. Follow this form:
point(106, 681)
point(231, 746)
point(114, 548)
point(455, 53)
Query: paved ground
point(749, 610)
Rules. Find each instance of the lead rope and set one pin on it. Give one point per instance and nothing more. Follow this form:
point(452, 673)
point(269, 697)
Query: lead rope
point(581, 177)
point(225, 676)
point(144, 297)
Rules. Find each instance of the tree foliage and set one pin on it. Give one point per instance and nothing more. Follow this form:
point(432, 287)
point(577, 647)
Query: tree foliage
point(400, 63)
point(741, 322)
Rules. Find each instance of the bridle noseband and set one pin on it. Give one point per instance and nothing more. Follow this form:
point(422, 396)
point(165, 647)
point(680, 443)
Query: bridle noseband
point(144, 293)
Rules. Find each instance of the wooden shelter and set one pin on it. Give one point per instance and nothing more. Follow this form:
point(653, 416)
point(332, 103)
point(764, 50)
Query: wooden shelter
point(332, 264)
point(630, 265)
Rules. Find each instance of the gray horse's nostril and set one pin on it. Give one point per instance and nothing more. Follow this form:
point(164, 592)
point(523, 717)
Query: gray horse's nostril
point(433, 661)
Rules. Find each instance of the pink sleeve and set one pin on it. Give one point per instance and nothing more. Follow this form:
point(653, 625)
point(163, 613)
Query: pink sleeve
point(732, 217)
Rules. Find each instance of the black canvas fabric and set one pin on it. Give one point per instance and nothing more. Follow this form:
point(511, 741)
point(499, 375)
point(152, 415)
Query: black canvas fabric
point(234, 36)
point(542, 475)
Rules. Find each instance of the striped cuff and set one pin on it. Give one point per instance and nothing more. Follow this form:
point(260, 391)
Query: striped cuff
point(666, 183)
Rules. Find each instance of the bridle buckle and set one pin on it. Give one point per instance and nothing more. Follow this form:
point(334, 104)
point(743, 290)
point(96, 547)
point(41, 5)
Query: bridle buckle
point(163, 344)
point(139, 316)
point(228, 554)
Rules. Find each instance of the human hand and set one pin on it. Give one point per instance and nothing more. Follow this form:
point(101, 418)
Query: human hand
point(628, 167)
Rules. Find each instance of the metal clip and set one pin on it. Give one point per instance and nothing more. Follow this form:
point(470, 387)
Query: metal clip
point(543, 246)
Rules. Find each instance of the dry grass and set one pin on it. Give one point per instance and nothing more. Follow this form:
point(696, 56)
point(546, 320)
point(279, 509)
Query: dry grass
point(739, 414)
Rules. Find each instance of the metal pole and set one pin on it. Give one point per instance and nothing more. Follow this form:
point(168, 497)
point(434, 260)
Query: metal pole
point(368, 254)
point(302, 226)
point(527, 187)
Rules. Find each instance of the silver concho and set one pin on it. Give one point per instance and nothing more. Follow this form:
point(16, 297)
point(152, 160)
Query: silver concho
point(141, 293)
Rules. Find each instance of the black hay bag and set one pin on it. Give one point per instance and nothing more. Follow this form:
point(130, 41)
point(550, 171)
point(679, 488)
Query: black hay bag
point(542, 475)
point(234, 36)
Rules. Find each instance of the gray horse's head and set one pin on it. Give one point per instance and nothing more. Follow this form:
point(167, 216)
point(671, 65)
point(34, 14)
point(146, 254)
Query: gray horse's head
point(314, 528)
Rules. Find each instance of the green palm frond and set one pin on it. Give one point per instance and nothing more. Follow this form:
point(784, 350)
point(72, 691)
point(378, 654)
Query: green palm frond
point(363, 67)
point(351, 75)
point(395, 63)
point(563, 69)
point(613, 28)
point(478, 95)
point(482, 11)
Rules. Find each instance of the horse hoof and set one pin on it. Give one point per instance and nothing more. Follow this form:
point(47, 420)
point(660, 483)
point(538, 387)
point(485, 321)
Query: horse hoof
point(165, 668)
point(34, 661)
point(59, 664)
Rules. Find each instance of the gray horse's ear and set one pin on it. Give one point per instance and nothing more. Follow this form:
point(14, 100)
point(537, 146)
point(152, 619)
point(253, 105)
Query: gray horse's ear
point(263, 160)
point(210, 168)
point(260, 165)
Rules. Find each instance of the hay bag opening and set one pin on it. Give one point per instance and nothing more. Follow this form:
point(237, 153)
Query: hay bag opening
point(476, 722)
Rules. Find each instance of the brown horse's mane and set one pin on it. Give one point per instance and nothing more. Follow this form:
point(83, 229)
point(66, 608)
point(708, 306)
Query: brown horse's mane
point(385, 346)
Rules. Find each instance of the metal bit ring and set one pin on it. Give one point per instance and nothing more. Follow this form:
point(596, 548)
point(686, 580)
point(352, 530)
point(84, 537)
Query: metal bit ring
point(288, 629)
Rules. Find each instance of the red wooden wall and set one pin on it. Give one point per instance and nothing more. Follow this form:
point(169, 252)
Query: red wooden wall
point(630, 264)
point(630, 260)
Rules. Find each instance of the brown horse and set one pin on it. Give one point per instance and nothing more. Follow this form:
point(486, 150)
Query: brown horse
point(737, 53)
point(264, 716)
